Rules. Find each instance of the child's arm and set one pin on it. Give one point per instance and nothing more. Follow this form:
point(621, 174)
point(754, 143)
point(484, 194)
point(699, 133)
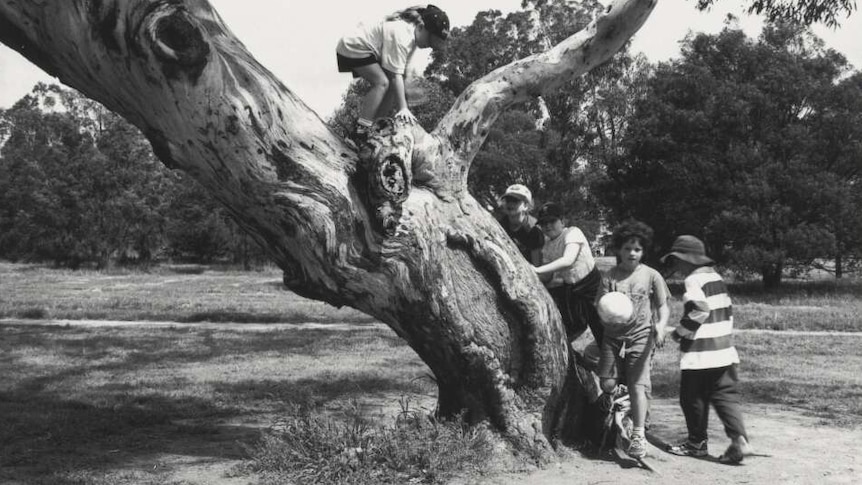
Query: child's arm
point(570, 254)
point(396, 84)
point(696, 310)
point(661, 330)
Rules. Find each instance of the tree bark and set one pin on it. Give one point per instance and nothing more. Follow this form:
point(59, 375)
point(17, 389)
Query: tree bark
point(390, 231)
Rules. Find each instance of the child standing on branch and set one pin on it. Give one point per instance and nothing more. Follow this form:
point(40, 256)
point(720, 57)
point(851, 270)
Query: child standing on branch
point(380, 53)
point(709, 358)
point(628, 344)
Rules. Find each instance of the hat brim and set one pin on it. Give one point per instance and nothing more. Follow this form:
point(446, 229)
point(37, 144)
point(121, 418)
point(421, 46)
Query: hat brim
point(515, 195)
point(688, 257)
point(545, 220)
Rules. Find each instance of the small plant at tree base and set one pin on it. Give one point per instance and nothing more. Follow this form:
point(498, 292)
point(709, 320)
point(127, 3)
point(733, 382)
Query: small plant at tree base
point(311, 448)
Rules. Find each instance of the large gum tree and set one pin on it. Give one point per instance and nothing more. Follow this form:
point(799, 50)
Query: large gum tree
point(389, 229)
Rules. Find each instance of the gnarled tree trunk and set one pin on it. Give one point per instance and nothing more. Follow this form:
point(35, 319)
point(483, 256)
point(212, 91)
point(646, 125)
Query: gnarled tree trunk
point(393, 233)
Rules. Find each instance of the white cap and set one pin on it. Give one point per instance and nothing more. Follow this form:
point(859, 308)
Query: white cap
point(519, 191)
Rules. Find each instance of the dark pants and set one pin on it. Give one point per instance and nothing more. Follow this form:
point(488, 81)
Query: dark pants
point(699, 388)
point(577, 305)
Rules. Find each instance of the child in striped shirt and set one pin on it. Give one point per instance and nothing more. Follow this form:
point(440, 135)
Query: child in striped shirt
point(709, 359)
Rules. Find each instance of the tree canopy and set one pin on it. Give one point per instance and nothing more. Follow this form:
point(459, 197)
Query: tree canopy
point(80, 185)
point(730, 144)
point(806, 12)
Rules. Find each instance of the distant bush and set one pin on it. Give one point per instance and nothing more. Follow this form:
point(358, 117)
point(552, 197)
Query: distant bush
point(33, 313)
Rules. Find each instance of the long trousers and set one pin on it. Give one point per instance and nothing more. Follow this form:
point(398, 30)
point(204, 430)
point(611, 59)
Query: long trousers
point(699, 388)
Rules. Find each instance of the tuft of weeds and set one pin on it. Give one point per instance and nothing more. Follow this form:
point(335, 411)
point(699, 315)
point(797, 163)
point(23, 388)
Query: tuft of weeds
point(33, 313)
point(318, 449)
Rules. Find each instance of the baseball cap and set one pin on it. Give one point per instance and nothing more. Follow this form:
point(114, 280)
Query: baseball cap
point(519, 191)
point(688, 248)
point(436, 21)
point(549, 212)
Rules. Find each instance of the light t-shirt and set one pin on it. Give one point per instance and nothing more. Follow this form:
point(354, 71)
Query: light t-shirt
point(391, 42)
point(555, 248)
point(647, 290)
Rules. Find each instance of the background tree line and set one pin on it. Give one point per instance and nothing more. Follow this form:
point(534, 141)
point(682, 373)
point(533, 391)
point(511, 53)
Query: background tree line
point(80, 185)
point(755, 145)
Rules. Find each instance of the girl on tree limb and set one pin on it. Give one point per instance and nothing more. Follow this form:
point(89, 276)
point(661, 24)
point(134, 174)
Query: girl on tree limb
point(380, 53)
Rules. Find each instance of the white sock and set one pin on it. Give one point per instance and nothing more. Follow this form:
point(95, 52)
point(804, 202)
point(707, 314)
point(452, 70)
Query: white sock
point(638, 431)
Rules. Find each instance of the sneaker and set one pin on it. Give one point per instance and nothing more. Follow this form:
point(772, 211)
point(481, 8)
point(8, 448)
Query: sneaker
point(736, 451)
point(637, 448)
point(687, 448)
point(359, 135)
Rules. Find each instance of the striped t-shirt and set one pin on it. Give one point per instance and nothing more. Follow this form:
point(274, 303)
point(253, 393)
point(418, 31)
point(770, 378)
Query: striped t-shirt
point(706, 328)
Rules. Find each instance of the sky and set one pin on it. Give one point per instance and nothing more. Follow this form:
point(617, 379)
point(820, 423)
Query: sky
point(296, 39)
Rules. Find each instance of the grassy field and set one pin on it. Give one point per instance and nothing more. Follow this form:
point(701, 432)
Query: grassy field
point(127, 403)
point(178, 294)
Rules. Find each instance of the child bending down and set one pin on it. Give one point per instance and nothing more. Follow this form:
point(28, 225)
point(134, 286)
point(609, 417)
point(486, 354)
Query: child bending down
point(629, 345)
point(380, 53)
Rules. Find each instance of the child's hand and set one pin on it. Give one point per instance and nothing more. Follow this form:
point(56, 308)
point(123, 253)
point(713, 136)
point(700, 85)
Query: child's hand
point(406, 116)
point(662, 333)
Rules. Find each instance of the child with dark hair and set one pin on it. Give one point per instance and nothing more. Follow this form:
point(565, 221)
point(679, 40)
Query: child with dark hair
point(569, 272)
point(628, 345)
point(380, 53)
point(709, 359)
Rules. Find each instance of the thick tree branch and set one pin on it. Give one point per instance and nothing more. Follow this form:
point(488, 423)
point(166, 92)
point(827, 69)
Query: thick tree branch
point(467, 124)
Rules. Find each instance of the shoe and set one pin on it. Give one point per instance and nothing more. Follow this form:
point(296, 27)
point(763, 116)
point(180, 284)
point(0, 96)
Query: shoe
point(687, 448)
point(736, 451)
point(637, 448)
point(359, 136)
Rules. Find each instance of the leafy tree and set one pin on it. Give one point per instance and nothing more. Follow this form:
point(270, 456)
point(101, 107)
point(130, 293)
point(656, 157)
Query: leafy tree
point(724, 147)
point(805, 12)
point(78, 184)
point(587, 117)
point(837, 150)
point(71, 176)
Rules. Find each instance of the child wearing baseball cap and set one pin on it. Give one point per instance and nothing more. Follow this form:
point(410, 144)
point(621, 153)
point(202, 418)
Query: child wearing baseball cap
point(380, 53)
point(520, 226)
point(709, 359)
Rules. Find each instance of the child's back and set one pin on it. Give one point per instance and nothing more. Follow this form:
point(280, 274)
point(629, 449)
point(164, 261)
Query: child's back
point(707, 326)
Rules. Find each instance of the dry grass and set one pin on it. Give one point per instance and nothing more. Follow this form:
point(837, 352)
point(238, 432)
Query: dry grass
point(818, 375)
point(163, 294)
point(87, 402)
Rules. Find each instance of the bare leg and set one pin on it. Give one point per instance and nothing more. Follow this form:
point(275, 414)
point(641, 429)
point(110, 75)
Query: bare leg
point(375, 75)
point(387, 105)
point(639, 405)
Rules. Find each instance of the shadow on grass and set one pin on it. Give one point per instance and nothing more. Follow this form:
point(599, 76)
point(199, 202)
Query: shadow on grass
point(292, 317)
point(179, 344)
point(54, 431)
point(44, 433)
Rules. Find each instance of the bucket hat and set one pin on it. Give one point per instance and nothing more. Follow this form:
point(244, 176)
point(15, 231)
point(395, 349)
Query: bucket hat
point(689, 248)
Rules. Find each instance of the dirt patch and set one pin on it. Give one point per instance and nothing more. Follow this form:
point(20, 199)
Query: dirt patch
point(791, 449)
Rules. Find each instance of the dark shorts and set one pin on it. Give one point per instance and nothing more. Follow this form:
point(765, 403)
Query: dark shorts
point(348, 64)
point(636, 362)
